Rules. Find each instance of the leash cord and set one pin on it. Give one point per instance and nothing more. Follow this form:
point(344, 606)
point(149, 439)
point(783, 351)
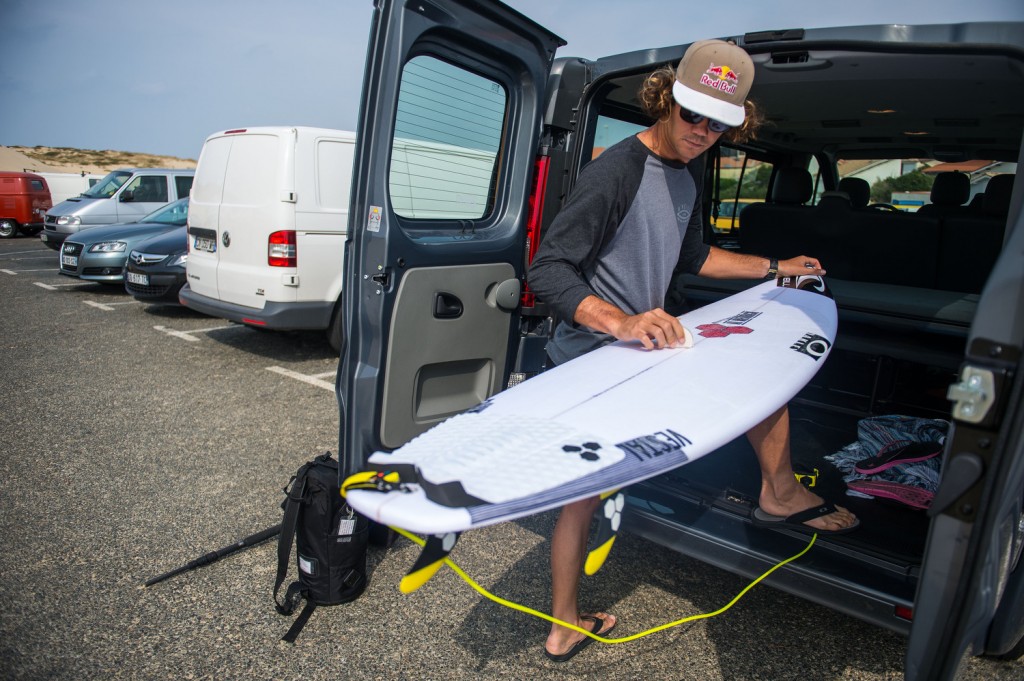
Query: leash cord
point(544, 616)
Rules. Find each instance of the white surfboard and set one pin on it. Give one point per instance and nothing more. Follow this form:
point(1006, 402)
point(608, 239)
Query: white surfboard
point(613, 417)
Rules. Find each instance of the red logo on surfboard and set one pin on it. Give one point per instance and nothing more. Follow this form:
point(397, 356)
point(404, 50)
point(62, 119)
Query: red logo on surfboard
point(721, 331)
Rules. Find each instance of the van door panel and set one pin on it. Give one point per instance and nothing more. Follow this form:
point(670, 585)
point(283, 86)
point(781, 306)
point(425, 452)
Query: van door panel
point(449, 124)
point(252, 209)
point(204, 214)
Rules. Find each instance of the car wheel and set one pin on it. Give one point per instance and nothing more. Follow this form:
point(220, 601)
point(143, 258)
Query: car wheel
point(8, 228)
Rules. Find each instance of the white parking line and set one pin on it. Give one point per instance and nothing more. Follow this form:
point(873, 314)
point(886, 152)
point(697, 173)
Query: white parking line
point(109, 306)
point(54, 287)
point(47, 269)
point(8, 271)
point(186, 335)
point(52, 254)
point(312, 380)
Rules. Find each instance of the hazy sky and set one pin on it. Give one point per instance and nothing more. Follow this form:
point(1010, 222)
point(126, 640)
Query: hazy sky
point(158, 77)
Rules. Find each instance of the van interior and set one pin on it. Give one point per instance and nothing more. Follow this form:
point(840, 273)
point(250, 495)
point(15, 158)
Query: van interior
point(902, 189)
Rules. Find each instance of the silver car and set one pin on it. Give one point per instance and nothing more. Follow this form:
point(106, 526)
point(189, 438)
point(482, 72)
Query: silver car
point(99, 254)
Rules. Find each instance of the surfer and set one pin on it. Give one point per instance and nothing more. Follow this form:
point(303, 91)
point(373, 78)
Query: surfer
point(607, 260)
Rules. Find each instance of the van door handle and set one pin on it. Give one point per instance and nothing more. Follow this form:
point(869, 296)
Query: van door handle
point(447, 306)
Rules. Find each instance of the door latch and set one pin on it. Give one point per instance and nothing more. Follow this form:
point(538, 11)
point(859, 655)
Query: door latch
point(973, 396)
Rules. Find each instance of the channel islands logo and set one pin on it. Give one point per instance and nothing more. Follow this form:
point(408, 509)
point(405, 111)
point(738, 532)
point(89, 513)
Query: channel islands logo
point(720, 77)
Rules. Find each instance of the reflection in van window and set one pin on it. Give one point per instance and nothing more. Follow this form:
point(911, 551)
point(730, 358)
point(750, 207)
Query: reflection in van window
point(447, 134)
point(106, 187)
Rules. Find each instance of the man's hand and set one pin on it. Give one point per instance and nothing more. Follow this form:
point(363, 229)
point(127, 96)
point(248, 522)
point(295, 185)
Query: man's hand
point(799, 266)
point(654, 329)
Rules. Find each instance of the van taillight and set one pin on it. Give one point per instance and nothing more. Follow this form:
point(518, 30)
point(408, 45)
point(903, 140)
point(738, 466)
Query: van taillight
point(281, 250)
point(534, 214)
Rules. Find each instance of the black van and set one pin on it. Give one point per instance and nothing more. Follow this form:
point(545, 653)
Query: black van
point(931, 302)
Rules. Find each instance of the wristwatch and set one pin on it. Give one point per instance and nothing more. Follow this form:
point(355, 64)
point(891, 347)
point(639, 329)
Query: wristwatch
point(773, 268)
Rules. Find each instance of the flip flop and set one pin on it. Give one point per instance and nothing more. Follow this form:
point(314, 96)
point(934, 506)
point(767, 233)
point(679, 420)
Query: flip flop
point(583, 642)
point(796, 521)
point(914, 497)
point(907, 453)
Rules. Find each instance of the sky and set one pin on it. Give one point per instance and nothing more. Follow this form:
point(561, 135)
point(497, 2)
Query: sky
point(159, 77)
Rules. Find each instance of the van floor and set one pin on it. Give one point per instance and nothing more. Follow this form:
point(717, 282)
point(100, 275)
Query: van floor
point(891, 530)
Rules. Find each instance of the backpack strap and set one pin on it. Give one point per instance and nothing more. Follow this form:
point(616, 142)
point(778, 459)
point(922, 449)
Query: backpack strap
point(299, 623)
point(284, 544)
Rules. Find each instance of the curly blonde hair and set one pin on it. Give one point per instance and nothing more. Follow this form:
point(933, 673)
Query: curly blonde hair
point(656, 100)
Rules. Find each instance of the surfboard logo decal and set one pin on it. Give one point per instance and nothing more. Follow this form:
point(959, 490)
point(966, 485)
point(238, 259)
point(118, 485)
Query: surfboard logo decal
point(721, 331)
point(587, 450)
point(812, 345)
point(657, 444)
point(729, 325)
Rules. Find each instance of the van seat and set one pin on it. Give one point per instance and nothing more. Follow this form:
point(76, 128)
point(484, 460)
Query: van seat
point(948, 196)
point(858, 189)
point(776, 228)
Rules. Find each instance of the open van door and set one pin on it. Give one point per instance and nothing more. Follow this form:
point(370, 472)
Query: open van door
point(970, 596)
point(449, 123)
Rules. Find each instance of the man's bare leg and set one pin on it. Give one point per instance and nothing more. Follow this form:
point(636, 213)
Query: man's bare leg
point(568, 552)
point(781, 493)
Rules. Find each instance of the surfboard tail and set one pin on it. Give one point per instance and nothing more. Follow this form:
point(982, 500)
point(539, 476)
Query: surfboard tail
point(609, 517)
point(436, 549)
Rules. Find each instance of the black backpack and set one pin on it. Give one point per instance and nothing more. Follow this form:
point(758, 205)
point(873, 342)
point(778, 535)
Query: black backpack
point(330, 543)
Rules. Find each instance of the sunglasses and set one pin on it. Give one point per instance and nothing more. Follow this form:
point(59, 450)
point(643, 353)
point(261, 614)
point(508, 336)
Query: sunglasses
point(697, 119)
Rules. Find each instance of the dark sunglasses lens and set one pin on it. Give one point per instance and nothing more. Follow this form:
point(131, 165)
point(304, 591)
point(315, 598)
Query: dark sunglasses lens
point(697, 119)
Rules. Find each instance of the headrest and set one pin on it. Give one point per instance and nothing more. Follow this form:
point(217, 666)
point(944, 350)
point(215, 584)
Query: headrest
point(858, 189)
point(835, 201)
point(792, 185)
point(951, 189)
point(997, 195)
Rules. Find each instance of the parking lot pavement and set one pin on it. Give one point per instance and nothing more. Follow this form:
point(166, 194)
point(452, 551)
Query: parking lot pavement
point(136, 438)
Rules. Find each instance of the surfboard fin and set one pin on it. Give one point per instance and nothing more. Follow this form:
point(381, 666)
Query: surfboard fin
point(609, 516)
point(431, 558)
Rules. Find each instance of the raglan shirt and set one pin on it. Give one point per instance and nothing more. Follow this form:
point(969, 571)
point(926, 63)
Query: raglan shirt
point(631, 220)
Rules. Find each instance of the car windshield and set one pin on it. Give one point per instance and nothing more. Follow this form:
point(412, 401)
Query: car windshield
point(172, 214)
point(106, 187)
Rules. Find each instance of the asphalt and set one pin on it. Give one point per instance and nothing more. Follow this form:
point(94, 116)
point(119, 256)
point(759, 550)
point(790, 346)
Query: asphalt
point(126, 451)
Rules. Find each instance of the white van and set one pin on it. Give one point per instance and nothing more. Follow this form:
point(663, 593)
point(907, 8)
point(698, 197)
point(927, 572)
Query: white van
point(124, 195)
point(267, 223)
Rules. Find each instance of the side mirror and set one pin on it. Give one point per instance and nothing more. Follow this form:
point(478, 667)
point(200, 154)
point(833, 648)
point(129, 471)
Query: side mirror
point(127, 196)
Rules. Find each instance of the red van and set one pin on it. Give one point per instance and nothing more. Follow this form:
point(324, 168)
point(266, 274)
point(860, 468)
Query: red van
point(24, 200)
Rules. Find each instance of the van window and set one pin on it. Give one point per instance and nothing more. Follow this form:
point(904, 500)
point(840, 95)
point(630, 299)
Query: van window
point(149, 188)
point(902, 183)
point(183, 185)
point(742, 181)
point(447, 134)
point(106, 187)
point(611, 130)
point(37, 185)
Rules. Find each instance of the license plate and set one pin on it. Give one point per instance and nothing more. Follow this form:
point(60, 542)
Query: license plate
point(44, 237)
point(69, 260)
point(140, 279)
point(208, 245)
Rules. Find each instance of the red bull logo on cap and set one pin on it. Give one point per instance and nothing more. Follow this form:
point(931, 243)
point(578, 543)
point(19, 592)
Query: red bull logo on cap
point(721, 78)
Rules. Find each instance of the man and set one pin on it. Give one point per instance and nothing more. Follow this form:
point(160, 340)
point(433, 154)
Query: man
point(607, 260)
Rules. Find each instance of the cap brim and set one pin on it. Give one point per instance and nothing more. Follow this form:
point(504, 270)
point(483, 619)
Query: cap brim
point(706, 105)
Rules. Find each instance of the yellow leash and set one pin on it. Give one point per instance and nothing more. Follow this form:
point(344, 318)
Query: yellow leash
point(544, 616)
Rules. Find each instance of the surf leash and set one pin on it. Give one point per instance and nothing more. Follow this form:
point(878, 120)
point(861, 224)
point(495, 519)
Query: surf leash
point(625, 639)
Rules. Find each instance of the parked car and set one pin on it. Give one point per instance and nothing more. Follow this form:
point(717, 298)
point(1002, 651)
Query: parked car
point(122, 196)
point(24, 200)
point(155, 271)
point(929, 307)
point(99, 254)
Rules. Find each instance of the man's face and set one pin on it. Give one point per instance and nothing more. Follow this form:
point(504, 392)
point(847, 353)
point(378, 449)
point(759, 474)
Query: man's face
point(689, 140)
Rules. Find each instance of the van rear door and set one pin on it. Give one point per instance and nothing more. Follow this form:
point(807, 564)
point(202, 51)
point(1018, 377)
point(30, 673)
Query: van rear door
point(970, 596)
point(243, 193)
point(449, 125)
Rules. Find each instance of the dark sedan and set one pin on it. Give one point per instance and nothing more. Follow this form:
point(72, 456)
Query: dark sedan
point(155, 270)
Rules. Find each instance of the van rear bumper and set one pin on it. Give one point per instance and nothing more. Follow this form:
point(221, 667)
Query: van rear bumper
point(274, 315)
